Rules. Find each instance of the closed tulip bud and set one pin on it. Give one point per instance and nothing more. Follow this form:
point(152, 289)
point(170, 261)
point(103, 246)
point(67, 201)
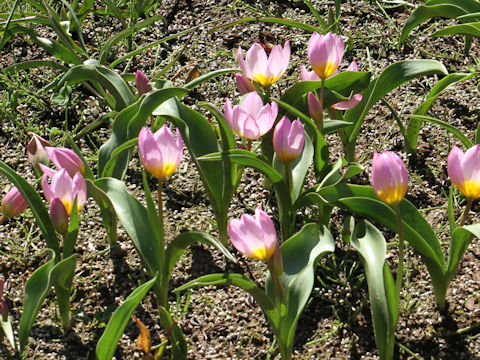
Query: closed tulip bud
point(59, 215)
point(325, 53)
point(141, 83)
point(256, 237)
point(251, 119)
point(66, 189)
point(314, 107)
point(36, 151)
point(244, 85)
point(464, 171)
point(262, 69)
point(13, 204)
point(63, 158)
point(288, 139)
point(389, 177)
point(160, 152)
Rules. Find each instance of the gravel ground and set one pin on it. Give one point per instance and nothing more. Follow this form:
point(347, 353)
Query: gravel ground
point(225, 322)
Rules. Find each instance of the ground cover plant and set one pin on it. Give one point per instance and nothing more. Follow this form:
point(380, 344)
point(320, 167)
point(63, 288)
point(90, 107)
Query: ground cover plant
point(239, 180)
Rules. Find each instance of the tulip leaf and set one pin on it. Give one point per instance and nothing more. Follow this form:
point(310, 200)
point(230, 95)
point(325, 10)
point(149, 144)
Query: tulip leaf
point(177, 246)
point(450, 128)
point(36, 205)
point(127, 125)
point(461, 238)
point(300, 255)
point(228, 138)
point(61, 277)
point(211, 75)
point(372, 247)
point(32, 64)
point(439, 8)
point(392, 77)
point(462, 29)
point(414, 125)
point(106, 210)
point(108, 342)
point(36, 290)
point(135, 220)
point(418, 232)
point(240, 281)
point(176, 337)
point(109, 79)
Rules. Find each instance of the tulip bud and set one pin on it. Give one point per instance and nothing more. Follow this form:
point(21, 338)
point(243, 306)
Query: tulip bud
point(160, 152)
point(36, 151)
point(314, 107)
point(288, 140)
point(13, 204)
point(59, 215)
point(141, 82)
point(464, 171)
point(389, 177)
point(244, 85)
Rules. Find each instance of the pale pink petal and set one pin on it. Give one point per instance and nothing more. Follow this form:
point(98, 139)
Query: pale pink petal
point(256, 60)
point(229, 111)
point(454, 166)
point(352, 67)
point(47, 190)
point(266, 118)
point(80, 190)
point(348, 104)
point(242, 63)
point(268, 229)
point(471, 164)
point(252, 104)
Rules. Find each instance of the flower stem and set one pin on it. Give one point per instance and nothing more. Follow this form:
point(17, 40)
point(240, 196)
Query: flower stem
point(288, 176)
point(161, 226)
point(401, 247)
point(466, 212)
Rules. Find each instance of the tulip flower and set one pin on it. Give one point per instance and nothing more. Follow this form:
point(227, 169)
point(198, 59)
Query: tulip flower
point(389, 177)
point(59, 215)
point(13, 204)
point(160, 152)
point(36, 150)
point(251, 119)
point(325, 53)
point(141, 83)
point(288, 139)
point(314, 107)
point(66, 189)
point(464, 171)
point(256, 238)
point(244, 85)
point(63, 158)
point(262, 69)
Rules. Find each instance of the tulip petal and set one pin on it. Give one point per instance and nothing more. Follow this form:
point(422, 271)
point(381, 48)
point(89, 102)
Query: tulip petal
point(348, 104)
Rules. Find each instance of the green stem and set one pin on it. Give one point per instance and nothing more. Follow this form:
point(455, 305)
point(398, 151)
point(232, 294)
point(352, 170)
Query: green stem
point(401, 255)
point(161, 226)
point(161, 288)
point(288, 177)
point(466, 212)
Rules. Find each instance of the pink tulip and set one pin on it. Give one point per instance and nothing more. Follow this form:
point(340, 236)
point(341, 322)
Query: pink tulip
point(389, 177)
point(36, 150)
point(160, 152)
point(244, 85)
point(288, 139)
point(464, 171)
point(66, 189)
point(13, 204)
point(256, 237)
point(63, 158)
point(141, 83)
point(251, 119)
point(325, 53)
point(314, 107)
point(262, 69)
point(59, 215)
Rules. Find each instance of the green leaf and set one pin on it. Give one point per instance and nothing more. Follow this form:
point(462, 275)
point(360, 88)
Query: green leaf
point(371, 245)
point(32, 64)
point(211, 75)
point(418, 232)
point(300, 254)
point(135, 220)
point(36, 205)
point(438, 8)
point(61, 277)
point(127, 125)
point(36, 290)
point(108, 342)
point(414, 125)
point(176, 337)
point(462, 29)
point(113, 40)
point(392, 77)
point(461, 238)
point(240, 281)
point(450, 128)
point(107, 210)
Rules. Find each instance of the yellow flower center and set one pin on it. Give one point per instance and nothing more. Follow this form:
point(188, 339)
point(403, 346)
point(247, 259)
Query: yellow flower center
point(470, 188)
point(392, 195)
point(265, 81)
point(324, 71)
point(164, 171)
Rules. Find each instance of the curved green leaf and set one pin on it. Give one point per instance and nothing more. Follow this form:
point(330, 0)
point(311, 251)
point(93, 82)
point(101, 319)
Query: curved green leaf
point(392, 77)
point(450, 128)
point(106, 210)
point(32, 64)
point(438, 8)
point(300, 254)
point(108, 342)
point(371, 245)
point(461, 238)
point(414, 125)
point(36, 290)
point(462, 29)
point(61, 277)
point(135, 220)
point(36, 205)
point(212, 74)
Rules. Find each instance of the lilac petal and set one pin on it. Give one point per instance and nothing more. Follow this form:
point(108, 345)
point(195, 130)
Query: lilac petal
point(242, 63)
point(46, 170)
point(348, 104)
point(268, 228)
point(296, 137)
point(251, 130)
point(47, 190)
point(276, 63)
point(80, 190)
point(252, 104)
point(257, 60)
point(306, 75)
point(454, 166)
point(265, 119)
point(280, 134)
point(471, 164)
point(352, 67)
point(229, 111)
